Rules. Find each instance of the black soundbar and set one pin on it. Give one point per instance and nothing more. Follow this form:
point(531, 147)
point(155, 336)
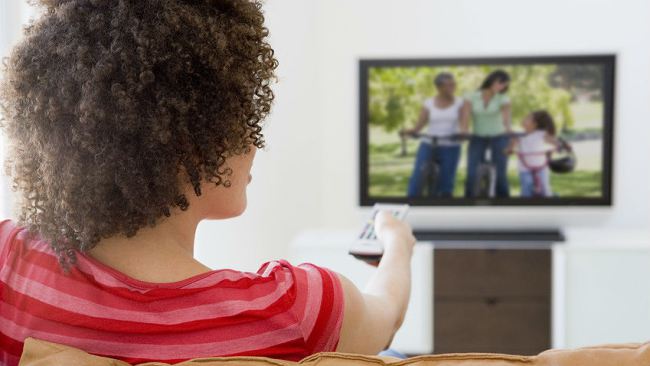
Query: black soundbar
point(546, 236)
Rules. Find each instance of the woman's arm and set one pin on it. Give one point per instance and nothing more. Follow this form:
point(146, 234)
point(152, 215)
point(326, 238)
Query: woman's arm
point(464, 116)
point(422, 121)
point(506, 112)
point(372, 317)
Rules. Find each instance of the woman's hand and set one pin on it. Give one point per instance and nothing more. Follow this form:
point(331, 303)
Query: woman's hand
point(397, 236)
point(372, 317)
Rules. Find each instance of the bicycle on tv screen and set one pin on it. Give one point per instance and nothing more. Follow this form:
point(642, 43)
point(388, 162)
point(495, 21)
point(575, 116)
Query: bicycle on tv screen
point(491, 131)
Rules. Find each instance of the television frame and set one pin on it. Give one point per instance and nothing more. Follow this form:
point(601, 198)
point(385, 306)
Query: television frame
point(609, 84)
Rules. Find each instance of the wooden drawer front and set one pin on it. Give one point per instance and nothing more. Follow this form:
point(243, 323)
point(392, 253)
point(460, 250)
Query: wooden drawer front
point(487, 273)
point(488, 326)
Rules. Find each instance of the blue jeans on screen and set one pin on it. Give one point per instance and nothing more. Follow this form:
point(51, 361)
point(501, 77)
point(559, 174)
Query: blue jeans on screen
point(447, 159)
point(527, 183)
point(478, 145)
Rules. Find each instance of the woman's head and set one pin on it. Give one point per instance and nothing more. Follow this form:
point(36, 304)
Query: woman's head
point(445, 83)
point(539, 121)
point(497, 81)
point(122, 112)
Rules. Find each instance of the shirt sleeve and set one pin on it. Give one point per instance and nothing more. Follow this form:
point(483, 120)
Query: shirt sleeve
point(7, 228)
point(318, 306)
point(505, 100)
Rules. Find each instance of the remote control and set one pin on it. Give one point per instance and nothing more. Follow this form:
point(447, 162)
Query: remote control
point(367, 247)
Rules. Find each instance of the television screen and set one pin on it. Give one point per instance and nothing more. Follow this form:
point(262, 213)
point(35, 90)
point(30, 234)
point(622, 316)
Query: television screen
point(489, 131)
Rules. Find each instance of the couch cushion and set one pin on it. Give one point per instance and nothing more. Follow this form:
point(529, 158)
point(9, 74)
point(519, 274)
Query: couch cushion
point(41, 353)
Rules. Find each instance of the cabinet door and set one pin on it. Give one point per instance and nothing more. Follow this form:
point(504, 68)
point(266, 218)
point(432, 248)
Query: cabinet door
point(607, 296)
point(479, 273)
point(489, 300)
point(493, 325)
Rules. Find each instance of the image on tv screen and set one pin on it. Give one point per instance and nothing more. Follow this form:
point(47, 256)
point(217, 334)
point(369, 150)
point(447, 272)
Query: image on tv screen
point(489, 131)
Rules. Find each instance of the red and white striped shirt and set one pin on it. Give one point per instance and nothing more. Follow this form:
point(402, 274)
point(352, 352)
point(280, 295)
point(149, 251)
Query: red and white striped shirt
point(282, 311)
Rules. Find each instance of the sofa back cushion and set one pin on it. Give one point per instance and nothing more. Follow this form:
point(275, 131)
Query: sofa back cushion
point(41, 353)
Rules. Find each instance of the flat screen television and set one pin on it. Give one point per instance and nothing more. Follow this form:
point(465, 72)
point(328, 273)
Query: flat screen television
point(532, 131)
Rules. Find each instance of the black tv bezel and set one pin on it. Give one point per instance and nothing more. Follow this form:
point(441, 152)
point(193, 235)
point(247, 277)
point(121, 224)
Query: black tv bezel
point(607, 60)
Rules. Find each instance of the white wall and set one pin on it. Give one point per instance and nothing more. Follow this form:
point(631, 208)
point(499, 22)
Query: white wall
point(309, 175)
point(13, 14)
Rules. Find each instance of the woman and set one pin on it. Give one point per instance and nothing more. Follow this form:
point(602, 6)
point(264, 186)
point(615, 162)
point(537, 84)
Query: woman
point(131, 122)
point(441, 114)
point(490, 110)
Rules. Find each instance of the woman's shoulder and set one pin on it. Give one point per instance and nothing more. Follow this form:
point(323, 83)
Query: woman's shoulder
point(301, 273)
point(7, 225)
point(316, 298)
point(306, 279)
point(8, 231)
point(503, 98)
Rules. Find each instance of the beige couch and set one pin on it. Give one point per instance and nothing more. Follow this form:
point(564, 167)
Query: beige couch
point(40, 353)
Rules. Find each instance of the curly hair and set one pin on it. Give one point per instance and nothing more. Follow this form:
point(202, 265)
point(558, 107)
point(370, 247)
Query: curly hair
point(544, 121)
point(112, 107)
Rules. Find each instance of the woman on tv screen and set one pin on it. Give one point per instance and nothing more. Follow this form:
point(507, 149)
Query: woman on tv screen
point(441, 115)
point(489, 108)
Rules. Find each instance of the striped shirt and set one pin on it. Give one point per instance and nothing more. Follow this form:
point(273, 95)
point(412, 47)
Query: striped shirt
point(282, 311)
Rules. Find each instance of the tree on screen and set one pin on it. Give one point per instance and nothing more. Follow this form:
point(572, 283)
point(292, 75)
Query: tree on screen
point(396, 94)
